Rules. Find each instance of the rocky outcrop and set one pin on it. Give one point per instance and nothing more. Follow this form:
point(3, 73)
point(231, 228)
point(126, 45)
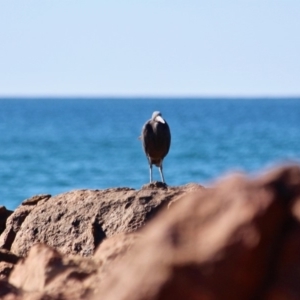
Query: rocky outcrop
point(7, 262)
point(13, 225)
point(237, 240)
point(46, 271)
point(76, 222)
point(226, 243)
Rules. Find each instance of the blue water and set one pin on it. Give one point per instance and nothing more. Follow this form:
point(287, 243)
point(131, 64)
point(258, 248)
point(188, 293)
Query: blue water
point(56, 145)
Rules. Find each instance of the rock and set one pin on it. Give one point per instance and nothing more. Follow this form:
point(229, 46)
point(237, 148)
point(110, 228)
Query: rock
point(4, 214)
point(154, 185)
point(285, 283)
point(76, 222)
point(7, 261)
point(13, 224)
point(47, 272)
point(111, 250)
point(7, 256)
point(238, 240)
point(5, 269)
point(9, 292)
point(35, 199)
point(115, 246)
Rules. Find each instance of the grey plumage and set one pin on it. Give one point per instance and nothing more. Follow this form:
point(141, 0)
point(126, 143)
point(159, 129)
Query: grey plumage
point(156, 138)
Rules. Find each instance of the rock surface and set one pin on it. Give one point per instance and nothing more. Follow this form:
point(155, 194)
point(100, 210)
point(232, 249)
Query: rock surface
point(5, 270)
point(7, 262)
point(35, 199)
point(239, 239)
point(46, 271)
point(13, 225)
point(76, 222)
point(7, 256)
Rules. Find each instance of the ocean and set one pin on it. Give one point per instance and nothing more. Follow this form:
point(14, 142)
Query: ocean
point(50, 146)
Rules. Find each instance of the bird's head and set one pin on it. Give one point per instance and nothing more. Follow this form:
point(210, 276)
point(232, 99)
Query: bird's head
point(156, 116)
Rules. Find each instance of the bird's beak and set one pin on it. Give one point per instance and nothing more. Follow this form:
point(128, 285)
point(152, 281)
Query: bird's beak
point(160, 119)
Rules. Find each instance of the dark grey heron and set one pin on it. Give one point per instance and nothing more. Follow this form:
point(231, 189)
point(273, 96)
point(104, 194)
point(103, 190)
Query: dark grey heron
point(156, 138)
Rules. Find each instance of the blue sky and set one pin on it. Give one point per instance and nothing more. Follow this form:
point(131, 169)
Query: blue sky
point(149, 48)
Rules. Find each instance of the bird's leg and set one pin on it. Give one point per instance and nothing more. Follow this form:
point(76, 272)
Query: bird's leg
point(150, 167)
point(161, 173)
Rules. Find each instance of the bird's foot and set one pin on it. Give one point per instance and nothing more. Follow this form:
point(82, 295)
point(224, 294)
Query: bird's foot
point(155, 185)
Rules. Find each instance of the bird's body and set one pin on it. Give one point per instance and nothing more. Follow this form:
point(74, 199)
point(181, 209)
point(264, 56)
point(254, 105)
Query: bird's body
point(156, 138)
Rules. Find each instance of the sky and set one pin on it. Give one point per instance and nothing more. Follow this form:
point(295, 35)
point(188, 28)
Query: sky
point(248, 48)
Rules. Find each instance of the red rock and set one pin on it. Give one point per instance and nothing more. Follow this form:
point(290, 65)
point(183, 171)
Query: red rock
point(225, 243)
point(110, 251)
point(236, 240)
point(46, 272)
point(8, 291)
point(115, 246)
point(35, 199)
point(5, 269)
point(7, 261)
point(13, 224)
point(76, 222)
point(286, 272)
point(7, 256)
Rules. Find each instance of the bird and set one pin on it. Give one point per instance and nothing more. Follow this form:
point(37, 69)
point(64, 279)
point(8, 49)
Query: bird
point(156, 139)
